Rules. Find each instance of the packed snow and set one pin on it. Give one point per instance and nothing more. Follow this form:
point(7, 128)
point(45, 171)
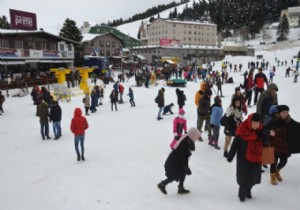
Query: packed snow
point(125, 153)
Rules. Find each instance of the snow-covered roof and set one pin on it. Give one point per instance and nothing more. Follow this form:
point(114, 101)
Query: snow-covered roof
point(191, 22)
point(293, 10)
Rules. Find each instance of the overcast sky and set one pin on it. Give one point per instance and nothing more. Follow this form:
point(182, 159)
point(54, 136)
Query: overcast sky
point(51, 14)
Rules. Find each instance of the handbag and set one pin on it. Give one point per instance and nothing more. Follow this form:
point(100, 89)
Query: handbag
point(268, 156)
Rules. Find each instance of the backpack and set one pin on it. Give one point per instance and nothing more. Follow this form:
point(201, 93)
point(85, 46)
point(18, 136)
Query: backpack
point(156, 99)
point(223, 119)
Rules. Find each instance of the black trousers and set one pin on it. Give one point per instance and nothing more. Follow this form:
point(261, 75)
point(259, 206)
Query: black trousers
point(168, 180)
point(281, 160)
point(245, 191)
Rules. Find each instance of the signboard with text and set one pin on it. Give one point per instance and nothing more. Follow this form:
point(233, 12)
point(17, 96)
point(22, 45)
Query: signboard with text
point(169, 42)
point(22, 20)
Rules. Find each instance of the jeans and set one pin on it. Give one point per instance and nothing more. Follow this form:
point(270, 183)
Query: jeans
point(44, 130)
point(56, 129)
point(80, 139)
point(159, 112)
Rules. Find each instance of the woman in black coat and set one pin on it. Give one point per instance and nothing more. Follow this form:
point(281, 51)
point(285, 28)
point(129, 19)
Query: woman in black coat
point(180, 98)
point(247, 145)
point(176, 165)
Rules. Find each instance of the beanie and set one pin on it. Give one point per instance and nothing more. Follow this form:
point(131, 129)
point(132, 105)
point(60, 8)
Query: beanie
point(181, 111)
point(217, 100)
point(282, 108)
point(237, 89)
point(194, 134)
point(273, 86)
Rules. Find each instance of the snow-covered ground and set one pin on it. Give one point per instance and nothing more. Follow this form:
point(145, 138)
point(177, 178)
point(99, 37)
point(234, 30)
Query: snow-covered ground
point(125, 154)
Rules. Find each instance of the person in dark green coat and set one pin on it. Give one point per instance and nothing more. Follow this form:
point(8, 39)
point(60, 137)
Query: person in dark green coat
point(43, 114)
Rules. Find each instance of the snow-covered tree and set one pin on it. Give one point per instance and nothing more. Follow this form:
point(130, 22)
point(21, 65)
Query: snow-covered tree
point(283, 29)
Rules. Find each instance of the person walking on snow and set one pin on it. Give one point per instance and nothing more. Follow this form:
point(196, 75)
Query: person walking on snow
point(131, 97)
point(55, 117)
point(247, 146)
point(179, 126)
point(215, 124)
point(78, 126)
point(177, 163)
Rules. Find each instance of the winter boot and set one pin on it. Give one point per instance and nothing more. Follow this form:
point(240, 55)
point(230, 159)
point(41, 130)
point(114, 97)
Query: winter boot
point(216, 145)
point(78, 157)
point(273, 179)
point(82, 158)
point(210, 142)
point(181, 190)
point(277, 175)
point(162, 187)
point(225, 154)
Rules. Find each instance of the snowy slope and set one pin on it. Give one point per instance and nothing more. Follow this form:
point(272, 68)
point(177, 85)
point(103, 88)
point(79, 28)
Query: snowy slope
point(125, 154)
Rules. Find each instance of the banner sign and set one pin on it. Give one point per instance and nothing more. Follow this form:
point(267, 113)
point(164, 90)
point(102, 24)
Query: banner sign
point(169, 42)
point(22, 20)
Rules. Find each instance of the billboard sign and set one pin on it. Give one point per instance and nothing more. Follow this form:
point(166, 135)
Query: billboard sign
point(22, 20)
point(169, 42)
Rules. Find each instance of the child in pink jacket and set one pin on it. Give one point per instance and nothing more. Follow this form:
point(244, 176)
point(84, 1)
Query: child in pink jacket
point(179, 126)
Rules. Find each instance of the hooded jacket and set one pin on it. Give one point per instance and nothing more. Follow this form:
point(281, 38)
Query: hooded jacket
point(79, 123)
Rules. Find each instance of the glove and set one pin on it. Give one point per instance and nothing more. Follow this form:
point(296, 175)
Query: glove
point(177, 137)
point(188, 170)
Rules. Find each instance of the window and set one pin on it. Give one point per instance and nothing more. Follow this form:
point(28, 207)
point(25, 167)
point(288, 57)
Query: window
point(69, 47)
point(184, 38)
point(101, 43)
point(4, 43)
point(174, 25)
point(108, 52)
point(113, 44)
point(61, 47)
point(195, 32)
point(107, 43)
point(190, 32)
point(19, 44)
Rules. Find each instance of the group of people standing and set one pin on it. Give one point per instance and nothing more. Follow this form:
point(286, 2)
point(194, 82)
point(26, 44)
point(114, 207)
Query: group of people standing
point(270, 125)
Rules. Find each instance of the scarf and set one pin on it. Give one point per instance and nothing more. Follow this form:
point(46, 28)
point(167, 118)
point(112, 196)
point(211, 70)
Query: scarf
point(248, 134)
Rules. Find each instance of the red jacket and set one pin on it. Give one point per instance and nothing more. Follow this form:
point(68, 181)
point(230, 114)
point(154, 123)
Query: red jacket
point(260, 79)
point(79, 123)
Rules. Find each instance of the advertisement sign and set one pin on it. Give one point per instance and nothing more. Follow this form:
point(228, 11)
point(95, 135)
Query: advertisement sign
point(169, 42)
point(22, 20)
point(4, 52)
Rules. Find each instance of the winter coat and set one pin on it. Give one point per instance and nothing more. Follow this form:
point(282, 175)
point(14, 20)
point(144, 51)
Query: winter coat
point(248, 84)
point(216, 115)
point(266, 100)
point(177, 162)
point(161, 99)
point(130, 94)
point(204, 105)
point(180, 98)
point(280, 140)
point(234, 117)
point(55, 113)
point(87, 102)
point(247, 173)
point(43, 112)
point(179, 125)
point(113, 97)
point(199, 93)
point(79, 123)
point(242, 99)
point(260, 79)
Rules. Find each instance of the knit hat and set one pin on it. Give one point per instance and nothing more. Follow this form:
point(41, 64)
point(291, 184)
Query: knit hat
point(282, 108)
point(273, 86)
point(194, 134)
point(181, 111)
point(163, 89)
point(208, 92)
point(217, 100)
point(237, 89)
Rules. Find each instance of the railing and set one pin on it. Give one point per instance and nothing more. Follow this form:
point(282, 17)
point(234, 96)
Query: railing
point(29, 83)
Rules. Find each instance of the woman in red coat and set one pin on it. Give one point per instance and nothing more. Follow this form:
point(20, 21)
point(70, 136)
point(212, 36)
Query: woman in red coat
point(78, 126)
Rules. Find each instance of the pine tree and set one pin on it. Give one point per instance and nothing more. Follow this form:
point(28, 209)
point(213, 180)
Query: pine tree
point(283, 29)
point(71, 31)
point(4, 24)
